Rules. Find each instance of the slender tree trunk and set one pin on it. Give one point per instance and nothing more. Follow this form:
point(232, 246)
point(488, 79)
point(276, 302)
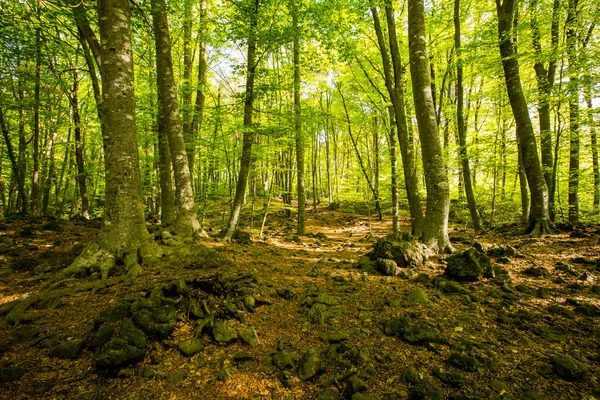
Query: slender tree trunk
point(460, 123)
point(435, 227)
point(186, 222)
point(298, 123)
point(396, 91)
point(22, 203)
point(186, 84)
point(539, 217)
point(545, 83)
point(248, 136)
point(14, 162)
point(394, 168)
point(35, 181)
point(79, 153)
point(572, 48)
point(593, 141)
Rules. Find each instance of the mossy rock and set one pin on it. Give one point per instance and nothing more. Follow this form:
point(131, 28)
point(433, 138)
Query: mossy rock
point(568, 368)
point(422, 332)
point(190, 347)
point(11, 374)
point(394, 326)
point(202, 257)
point(318, 313)
point(121, 311)
point(417, 296)
point(223, 334)
point(467, 266)
point(464, 362)
point(68, 350)
point(402, 248)
point(158, 322)
point(310, 364)
point(283, 360)
point(425, 389)
point(127, 344)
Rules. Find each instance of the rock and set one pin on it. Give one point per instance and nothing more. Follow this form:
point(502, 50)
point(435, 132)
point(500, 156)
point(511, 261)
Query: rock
point(426, 390)
point(310, 364)
point(387, 267)
point(126, 373)
point(149, 373)
point(587, 277)
point(498, 386)
point(190, 347)
point(241, 358)
point(153, 318)
point(202, 257)
point(283, 360)
point(224, 375)
point(410, 376)
point(25, 334)
point(417, 296)
point(177, 377)
point(68, 350)
point(318, 313)
point(286, 293)
point(337, 337)
point(463, 362)
point(325, 299)
point(223, 334)
point(394, 326)
point(467, 266)
point(127, 344)
point(451, 378)
point(10, 374)
point(537, 272)
point(422, 332)
point(502, 250)
point(249, 336)
point(102, 335)
point(402, 248)
point(329, 394)
point(117, 313)
point(567, 368)
point(452, 287)
point(356, 385)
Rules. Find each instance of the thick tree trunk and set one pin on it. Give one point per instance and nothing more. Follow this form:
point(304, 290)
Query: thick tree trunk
point(249, 134)
point(572, 39)
point(124, 235)
point(186, 222)
point(298, 123)
point(539, 217)
point(460, 123)
point(435, 227)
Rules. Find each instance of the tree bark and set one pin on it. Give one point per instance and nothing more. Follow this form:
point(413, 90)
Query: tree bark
point(79, 153)
point(539, 218)
point(460, 123)
point(186, 222)
point(298, 123)
point(249, 134)
point(572, 38)
point(35, 181)
point(435, 227)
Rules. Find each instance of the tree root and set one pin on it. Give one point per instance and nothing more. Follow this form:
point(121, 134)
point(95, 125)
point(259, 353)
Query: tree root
point(538, 228)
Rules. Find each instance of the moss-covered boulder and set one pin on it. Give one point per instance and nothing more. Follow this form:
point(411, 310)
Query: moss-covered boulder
point(310, 364)
point(568, 368)
point(67, 350)
point(127, 344)
point(402, 248)
point(468, 266)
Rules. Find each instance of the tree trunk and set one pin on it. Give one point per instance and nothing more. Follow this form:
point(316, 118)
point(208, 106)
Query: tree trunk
point(394, 168)
point(460, 123)
point(395, 90)
point(539, 218)
point(545, 83)
point(35, 181)
point(248, 136)
point(16, 171)
point(298, 123)
point(593, 140)
point(81, 175)
point(572, 38)
point(186, 222)
point(435, 227)
point(186, 84)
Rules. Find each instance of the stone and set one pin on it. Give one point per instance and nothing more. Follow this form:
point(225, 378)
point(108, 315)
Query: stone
point(223, 334)
point(568, 368)
point(149, 373)
point(126, 373)
point(337, 337)
point(154, 319)
point(224, 375)
point(587, 277)
point(463, 361)
point(25, 334)
point(325, 299)
point(421, 332)
point(11, 374)
point(455, 379)
point(190, 347)
point(467, 266)
point(363, 396)
point(355, 385)
point(283, 360)
point(127, 344)
point(177, 377)
point(310, 364)
point(402, 248)
point(417, 296)
point(102, 335)
point(452, 287)
point(117, 313)
point(387, 267)
point(426, 390)
point(249, 336)
point(410, 376)
point(68, 350)
point(318, 313)
point(329, 394)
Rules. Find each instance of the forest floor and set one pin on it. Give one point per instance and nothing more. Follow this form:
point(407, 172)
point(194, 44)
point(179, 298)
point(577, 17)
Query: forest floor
point(533, 336)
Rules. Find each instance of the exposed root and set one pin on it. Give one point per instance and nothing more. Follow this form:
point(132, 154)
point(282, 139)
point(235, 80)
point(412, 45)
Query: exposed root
point(538, 228)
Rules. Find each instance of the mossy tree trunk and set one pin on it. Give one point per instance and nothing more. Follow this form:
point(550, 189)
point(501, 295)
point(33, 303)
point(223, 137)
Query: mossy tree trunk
point(186, 222)
point(435, 227)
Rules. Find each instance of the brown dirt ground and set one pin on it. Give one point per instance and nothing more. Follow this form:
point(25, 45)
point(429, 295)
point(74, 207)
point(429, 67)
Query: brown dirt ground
point(281, 261)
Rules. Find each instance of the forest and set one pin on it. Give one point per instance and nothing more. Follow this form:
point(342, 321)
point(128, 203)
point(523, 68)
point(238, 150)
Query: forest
point(299, 199)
